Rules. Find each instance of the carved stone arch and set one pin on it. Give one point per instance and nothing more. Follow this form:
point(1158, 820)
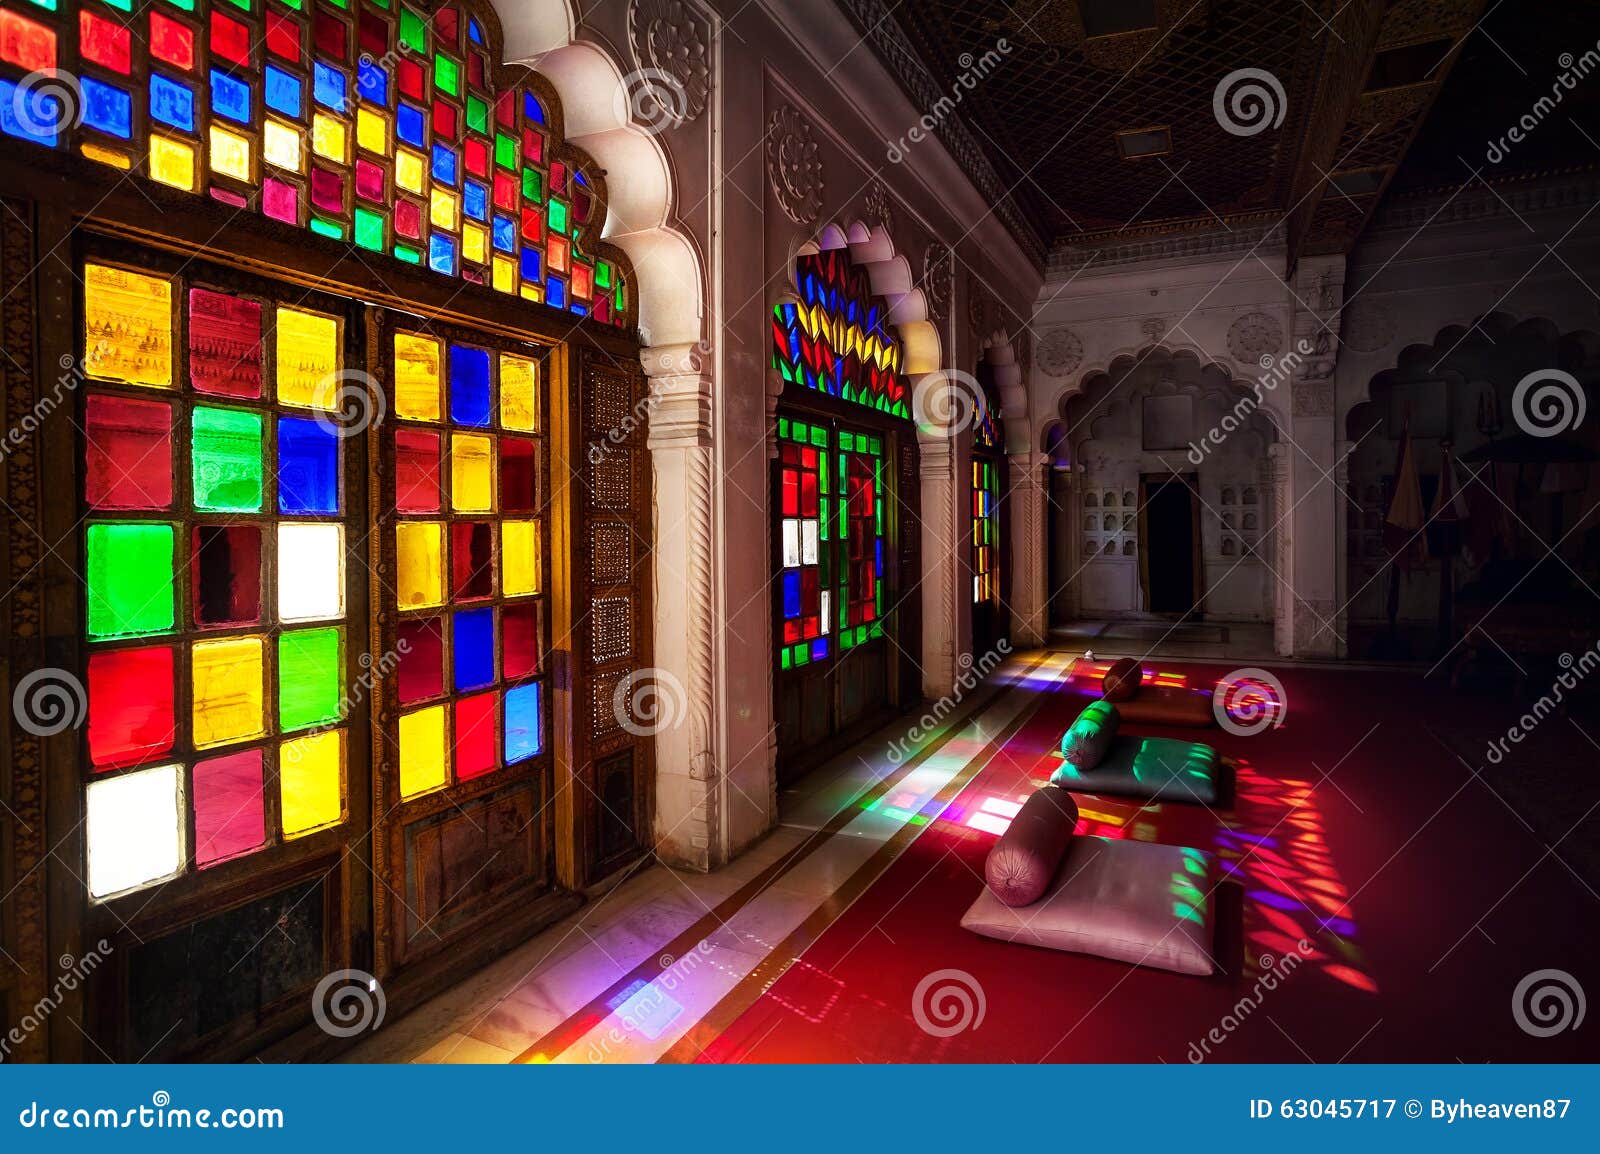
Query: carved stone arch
point(1000, 353)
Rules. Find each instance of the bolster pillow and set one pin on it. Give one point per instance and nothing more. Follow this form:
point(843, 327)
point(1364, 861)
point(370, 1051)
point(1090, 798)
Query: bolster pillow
point(1122, 680)
point(1024, 861)
point(1088, 739)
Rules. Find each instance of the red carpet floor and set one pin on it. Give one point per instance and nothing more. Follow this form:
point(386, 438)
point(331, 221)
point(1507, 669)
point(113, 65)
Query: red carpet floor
point(1423, 898)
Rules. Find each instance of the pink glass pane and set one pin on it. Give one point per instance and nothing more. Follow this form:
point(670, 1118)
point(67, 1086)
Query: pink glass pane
point(421, 648)
point(369, 181)
point(280, 200)
point(224, 344)
point(327, 190)
point(416, 471)
point(230, 813)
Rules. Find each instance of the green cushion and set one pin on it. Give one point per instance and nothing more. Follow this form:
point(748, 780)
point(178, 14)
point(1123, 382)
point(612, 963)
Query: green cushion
point(1088, 739)
point(1153, 767)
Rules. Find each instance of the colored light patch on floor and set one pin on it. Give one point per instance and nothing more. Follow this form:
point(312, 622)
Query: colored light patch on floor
point(645, 1008)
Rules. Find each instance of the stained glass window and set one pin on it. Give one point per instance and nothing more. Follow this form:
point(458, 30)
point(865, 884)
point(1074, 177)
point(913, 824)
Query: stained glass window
point(469, 559)
point(831, 540)
point(362, 120)
point(836, 339)
point(985, 530)
point(214, 545)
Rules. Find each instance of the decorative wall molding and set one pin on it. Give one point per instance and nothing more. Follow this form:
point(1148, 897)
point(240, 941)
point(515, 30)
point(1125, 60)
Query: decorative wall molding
point(1215, 243)
point(1477, 202)
point(1255, 335)
point(794, 166)
point(670, 41)
point(877, 207)
point(937, 274)
point(1060, 352)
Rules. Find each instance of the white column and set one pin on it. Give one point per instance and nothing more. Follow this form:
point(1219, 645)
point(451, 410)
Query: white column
point(1028, 499)
point(942, 537)
point(1276, 475)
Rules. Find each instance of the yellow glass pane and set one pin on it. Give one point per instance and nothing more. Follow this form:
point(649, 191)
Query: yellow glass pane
point(519, 553)
point(519, 393)
point(280, 145)
point(308, 359)
point(311, 782)
point(230, 153)
point(474, 243)
point(505, 274)
point(330, 138)
point(127, 326)
point(106, 156)
point(226, 679)
point(422, 751)
point(172, 162)
point(471, 473)
point(409, 171)
point(416, 377)
point(532, 293)
point(442, 209)
point(372, 131)
point(419, 568)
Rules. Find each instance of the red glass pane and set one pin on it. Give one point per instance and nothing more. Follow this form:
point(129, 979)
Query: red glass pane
point(130, 706)
point(477, 156)
point(518, 476)
point(476, 739)
point(808, 495)
point(28, 45)
point(224, 344)
point(416, 471)
point(225, 574)
point(475, 70)
point(280, 200)
point(420, 645)
point(230, 39)
point(558, 176)
point(104, 42)
point(369, 181)
point(410, 77)
point(327, 190)
point(171, 41)
point(471, 560)
point(810, 590)
point(407, 218)
point(791, 630)
point(505, 109)
point(230, 810)
point(444, 120)
point(330, 35)
point(505, 191)
point(519, 640)
point(283, 36)
point(791, 493)
point(532, 146)
point(533, 224)
point(374, 34)
point(127, 453)
point(447, 23)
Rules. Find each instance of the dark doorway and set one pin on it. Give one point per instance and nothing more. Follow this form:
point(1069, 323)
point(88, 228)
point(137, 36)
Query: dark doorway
point(1169, 524)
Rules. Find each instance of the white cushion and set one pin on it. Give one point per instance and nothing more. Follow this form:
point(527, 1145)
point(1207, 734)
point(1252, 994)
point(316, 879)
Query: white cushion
point(1130, 901)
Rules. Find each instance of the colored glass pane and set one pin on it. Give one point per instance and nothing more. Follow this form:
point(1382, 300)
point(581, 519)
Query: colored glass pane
point(230, 810)
point(127, 453)
point(519, 397)
point(476, 735)
point(524, 725)
point(308, 466)
point(127, 326)
point(130, 578)
point(131, 713)
point(471, 473)
point(311, 782)
point(421, 668)
point(519, 547)
point(134, 829)
point(309, 677)
point(416, 376)
point(310, 571)
point(423, 764)
point(226, 683)
point(225, 460)
point(416, 471)
point(224, 344)
point(419, 564)
point(472, 648)
point(225, 574)
point(307, 359)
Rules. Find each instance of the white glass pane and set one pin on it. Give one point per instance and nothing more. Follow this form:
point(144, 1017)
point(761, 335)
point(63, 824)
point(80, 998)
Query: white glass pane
point(808, 541)
point(135, 829)
point(791, 543)
point(827, 611)
point(310, 572)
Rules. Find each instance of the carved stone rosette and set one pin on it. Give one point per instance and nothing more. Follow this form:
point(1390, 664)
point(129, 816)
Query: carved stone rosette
point(669, 40)
point(794, 166)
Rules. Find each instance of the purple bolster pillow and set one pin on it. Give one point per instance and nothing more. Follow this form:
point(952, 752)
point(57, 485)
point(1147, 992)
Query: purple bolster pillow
point(1024, 860)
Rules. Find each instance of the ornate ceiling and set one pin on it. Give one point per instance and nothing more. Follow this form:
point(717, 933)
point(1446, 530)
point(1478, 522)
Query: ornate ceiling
point(1345, 83)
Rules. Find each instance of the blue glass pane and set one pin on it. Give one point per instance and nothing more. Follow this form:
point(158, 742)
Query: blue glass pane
point(372, 82)
point(441, 253)
point(282, 91)
point(475, 200)
point(106, 107)
point(469, 385)
point(556, 293)
point(444, 164)
point(474, 31)
point(172, 103)
point(29, 114)
point(505, 234)
point(819, 649)
point(580, 310)
point(230, 97)
point(524, 737)
point(474, 648)
point(791, 593)
point(409, 125)
point(308, 466)
point(330, 86)
point(531, 106)
point(530, 264)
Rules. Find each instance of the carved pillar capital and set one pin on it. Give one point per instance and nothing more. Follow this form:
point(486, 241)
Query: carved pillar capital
point(680, 395)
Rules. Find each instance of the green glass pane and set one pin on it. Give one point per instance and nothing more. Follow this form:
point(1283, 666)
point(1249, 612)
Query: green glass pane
point(47, 5)
point(558, 216)
point(533, 184)
point(409, 255)
point(130, 578)
point(327, 228)
point(413, 31)
point(297, 5)
point(446, 74)
point(340, 3)
point(127, 5)
point(244, 4)
point(787, 662)
point(369, 229)
point(226, 460)
point(505, 150)
point(384, 4)
point(602, 274)
point(308, 677)
point(477, 114)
